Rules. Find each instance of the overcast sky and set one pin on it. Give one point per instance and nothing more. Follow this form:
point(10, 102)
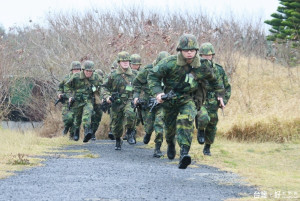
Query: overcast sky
point(19, 12)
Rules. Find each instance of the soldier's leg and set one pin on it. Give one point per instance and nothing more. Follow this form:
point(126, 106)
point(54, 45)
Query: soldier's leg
point(169, 118)
point(158, 127)
point(67, 119)
point(210, 131)
point(88, 110)
point(110, 134)
point(130, 123)
point(185, 128)
point(148, 118)
point(117, 119)
point(202, 119)
point(78, 110)
point(96, 118)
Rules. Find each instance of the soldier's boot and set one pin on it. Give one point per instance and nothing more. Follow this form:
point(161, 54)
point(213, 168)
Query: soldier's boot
point(125, 137)
point(157, 152)
point(206, 150)
point(118, 143)
point(76, 134)
point(66, 130)
point(93, 138)
point(201, 136)
point(171, 152)
point(87, 134)
point(131, 136)
point(111, 135)
point(147, 138)
point(185, 159)
point(71, 137)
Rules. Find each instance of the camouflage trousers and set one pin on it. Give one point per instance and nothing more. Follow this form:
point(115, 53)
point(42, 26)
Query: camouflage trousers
point(179, 119)
point(207, 119)
point(68, 117)
point(83, 112)
point(96, 118)
point(122, 115)
point(154, 121)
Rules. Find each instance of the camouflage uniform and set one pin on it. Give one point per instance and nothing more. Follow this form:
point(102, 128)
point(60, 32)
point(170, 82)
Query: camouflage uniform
point(182, 78)
point(68, 115)
point(97, 114)
point(84, 91)
point(119, 83)
point(153, 120)
point(208, 116)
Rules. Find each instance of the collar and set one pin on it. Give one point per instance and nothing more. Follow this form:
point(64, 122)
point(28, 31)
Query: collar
point(182, 62)
point(127, 72)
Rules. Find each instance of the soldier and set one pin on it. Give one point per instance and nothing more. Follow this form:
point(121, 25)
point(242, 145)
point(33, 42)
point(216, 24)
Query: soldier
point(181, 75)
point(118, 91)
point(97, 114)
point(84, 92)
point(68, 115)
point(135, 62)
point(153, 120)
point(208, 116)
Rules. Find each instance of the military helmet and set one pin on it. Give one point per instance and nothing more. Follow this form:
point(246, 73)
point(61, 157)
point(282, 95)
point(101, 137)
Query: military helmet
point(88, 65)
point(100, 72)
point(136, 59)
point(161, 56)
point(207, 49)
point(123, 56)
point(187, 42)
point(75, 65)
point(114, 65)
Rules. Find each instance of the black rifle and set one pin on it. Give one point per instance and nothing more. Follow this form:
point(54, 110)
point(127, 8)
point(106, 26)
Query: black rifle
point(153, 103)
point(61, 99)
point(70, 104)
point(139, 106)
point(105, 106)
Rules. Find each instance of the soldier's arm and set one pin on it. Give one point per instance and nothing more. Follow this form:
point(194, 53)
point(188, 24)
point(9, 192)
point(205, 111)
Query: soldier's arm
point(106, 87)
point(156, 74)
point(227, 85)
point(60, 90)
point(69, 87)
point(139, 82)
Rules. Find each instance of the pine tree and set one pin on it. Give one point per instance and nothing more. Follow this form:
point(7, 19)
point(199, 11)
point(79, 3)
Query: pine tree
point(286, 23)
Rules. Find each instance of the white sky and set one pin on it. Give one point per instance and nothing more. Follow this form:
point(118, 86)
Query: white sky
point(19, 12)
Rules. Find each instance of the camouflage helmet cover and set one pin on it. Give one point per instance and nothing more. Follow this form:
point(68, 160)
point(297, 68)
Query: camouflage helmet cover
point(136, 59)
point(161, 56)
point(207, 49)
point(123, 56)
point(88, 65)
point(100, 72)
point(187, 42)
point(75, 65)
point(114, 65)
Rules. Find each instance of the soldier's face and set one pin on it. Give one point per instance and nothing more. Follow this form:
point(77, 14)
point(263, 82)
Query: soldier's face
point(135, 66)
point(124, 64)
point(88, 73)
point(75, 71)
point(208, 57)
point(189, 54)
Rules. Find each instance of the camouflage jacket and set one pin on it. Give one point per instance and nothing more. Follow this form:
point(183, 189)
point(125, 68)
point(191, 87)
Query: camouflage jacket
point(82, 88)
point(119, 82)
point(140, 83)
point(183, 78)
point(61, 86)
point(219, 71)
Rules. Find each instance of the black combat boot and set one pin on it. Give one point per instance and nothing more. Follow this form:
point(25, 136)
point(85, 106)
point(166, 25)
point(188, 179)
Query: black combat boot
point(157, 152)
point(201, 136)
point(93, 138)
point(185, 159)
point(147, 138)
point(206, 150)
point(76, 134)
point(87, 134)
point(171, 152)
point(118, 143)
point(111, 136)
point(131, 136)
point(66, 130)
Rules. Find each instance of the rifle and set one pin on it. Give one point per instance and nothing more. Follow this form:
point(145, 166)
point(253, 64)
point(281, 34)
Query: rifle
point(70, 104)
point(140, 105)
point(61, 99)
point(153, 103)
point(105, 106)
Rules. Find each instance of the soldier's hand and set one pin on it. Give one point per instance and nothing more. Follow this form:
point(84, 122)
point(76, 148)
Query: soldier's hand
point(108, 100)
point(70, 99)
point(158, 98)
point(135, 100)
point(221, 105)
point(60, 96)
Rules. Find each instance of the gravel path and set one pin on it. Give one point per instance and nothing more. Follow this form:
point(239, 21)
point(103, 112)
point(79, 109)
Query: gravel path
point(129, 174)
